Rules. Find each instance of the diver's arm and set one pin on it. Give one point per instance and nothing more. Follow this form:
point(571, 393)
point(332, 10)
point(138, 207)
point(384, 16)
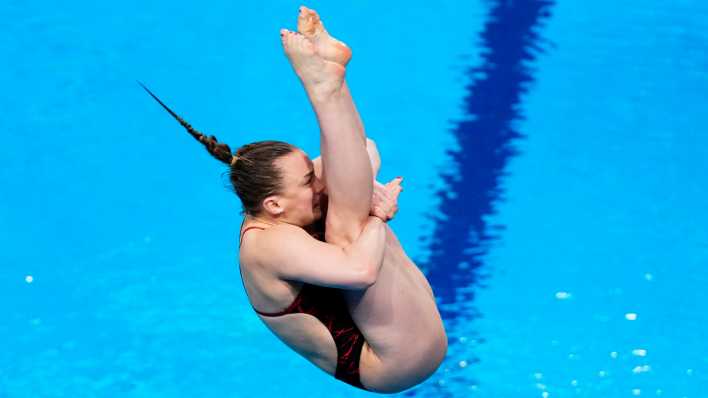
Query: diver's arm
point(293, 254)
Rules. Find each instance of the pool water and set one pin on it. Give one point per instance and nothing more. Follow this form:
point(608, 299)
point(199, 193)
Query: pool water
point(554, 156)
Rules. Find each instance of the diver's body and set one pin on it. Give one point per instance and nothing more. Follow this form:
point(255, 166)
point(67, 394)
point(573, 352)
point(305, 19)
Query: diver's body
point(405, 340)
point(389, 300)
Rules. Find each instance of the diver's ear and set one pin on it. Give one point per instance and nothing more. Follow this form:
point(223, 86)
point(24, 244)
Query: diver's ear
point(273, 205)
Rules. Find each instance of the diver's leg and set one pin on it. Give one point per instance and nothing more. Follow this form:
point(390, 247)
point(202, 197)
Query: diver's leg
point(347, 170)
point(345, 161)
point(399, 308)
point(330, 49)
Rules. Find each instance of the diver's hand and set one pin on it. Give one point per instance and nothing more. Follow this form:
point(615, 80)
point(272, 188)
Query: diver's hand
point(384, 203)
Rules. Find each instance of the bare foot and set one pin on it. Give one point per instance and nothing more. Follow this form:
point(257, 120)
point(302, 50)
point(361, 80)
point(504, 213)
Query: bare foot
point(319, 76)
point(331, 49)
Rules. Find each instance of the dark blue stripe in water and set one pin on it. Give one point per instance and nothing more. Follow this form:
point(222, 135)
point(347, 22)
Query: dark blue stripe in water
point(486, 140)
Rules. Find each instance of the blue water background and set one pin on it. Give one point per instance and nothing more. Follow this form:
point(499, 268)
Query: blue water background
point(555, 158)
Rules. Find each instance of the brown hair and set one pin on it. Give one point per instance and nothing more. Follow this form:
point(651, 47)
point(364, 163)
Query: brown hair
point(253, 172)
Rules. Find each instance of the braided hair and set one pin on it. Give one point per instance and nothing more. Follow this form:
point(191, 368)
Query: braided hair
point(252, 169)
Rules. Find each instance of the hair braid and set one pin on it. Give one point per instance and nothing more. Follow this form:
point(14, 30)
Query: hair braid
point(253, 170)
point(219, 150)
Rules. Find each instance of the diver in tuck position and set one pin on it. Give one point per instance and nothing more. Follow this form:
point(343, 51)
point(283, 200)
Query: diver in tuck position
point(354, 304)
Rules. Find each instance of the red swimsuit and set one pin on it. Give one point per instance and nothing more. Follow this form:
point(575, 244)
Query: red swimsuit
point(328, 305)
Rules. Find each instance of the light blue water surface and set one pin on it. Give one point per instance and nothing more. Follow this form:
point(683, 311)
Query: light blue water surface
point(129, 235)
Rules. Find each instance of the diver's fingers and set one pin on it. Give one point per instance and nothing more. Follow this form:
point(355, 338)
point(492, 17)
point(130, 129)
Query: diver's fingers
point(396, 181)
point(380, 213)
point(394, 186)
point(382, 190)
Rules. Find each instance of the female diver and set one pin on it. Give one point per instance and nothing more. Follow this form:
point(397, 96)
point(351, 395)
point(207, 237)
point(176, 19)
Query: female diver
point(355, 305)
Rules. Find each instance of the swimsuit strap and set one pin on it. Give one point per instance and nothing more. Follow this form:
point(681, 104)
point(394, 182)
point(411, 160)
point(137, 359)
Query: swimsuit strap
point(293, 308)
point(244, 233)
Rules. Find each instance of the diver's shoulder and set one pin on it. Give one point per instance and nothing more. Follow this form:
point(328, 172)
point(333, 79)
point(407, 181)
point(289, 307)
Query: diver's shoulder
point(278, 234)
point(274, 237)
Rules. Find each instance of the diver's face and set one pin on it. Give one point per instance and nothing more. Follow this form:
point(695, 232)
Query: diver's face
point(302, 190)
